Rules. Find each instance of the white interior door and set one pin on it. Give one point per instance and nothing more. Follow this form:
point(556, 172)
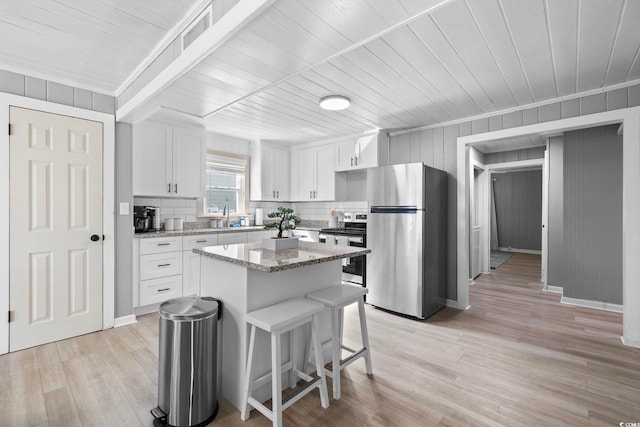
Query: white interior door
point(55, 278)
point(545, 218)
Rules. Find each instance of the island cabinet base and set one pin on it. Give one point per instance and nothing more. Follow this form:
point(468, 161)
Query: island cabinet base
point(243, 290)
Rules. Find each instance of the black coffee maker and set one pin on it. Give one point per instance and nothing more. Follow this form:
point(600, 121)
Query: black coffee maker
point(145, 218)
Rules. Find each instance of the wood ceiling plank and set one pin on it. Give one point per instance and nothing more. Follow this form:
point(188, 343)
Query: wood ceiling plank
point(432, 36)
point(627, 45)
point(599, 22)
point(362, 106)
point(528, 27)
point(280, 30)
point(339, 14)
point(441, 107)
point(391, 11)
point(362, 111)
point(386, 75)
point(563, 23)
point(407, 43)
point(487, 15)
point(350, 75)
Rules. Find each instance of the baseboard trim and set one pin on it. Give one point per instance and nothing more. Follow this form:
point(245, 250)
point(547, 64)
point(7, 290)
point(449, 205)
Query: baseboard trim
point(522, 251)
point(555, 289)
point(630, 343)
point(124, 320)
point(599, 305)
point(454, 304)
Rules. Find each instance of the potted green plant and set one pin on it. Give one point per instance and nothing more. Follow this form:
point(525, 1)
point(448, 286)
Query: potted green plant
point(285, 220)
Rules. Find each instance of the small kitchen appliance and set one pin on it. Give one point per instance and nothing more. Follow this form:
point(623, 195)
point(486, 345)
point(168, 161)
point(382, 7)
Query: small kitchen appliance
point(145, 219)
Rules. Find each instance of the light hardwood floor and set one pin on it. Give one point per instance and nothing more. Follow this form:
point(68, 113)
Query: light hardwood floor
point(517, 357)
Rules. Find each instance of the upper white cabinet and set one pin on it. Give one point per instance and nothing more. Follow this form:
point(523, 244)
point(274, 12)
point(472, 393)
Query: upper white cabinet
point(313, 174)
point(168, 160)
point(270, 172)
point(360, 153)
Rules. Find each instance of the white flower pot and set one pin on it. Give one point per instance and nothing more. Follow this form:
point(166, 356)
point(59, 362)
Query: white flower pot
point(274, 244)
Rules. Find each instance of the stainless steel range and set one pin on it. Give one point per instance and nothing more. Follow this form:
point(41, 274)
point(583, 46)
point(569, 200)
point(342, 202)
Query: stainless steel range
point(354, 233)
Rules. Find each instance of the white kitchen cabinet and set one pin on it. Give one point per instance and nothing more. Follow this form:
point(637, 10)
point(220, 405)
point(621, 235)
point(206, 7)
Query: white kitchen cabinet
point(168, 160)
point(360, 153)
point(191, 261)
point(313, 173)
point(270, 172)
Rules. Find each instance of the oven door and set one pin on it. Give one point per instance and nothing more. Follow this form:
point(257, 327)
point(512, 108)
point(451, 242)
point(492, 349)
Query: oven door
point(354, 271)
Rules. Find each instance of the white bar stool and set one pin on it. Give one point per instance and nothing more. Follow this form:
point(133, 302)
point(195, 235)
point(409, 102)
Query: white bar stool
point(336, 298)
point(278, 319)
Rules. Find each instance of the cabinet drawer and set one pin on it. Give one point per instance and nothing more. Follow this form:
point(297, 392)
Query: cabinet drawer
point(160, 265)
point(159, 290)
point(160, 245)
point(191, 242)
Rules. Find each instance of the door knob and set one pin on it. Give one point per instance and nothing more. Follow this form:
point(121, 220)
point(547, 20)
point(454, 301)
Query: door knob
point(95, 237)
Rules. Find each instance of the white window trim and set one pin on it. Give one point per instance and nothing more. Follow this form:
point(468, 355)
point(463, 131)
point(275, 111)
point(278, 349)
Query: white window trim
point(247, 177)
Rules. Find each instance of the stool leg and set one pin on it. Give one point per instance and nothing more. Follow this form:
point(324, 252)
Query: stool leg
point(365, 336)
point(248, 377)
point(336, 350)
point(317, 351)
point(276, 379)
point(293, 357)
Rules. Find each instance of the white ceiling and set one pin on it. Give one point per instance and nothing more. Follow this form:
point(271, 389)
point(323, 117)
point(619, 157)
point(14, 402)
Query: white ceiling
point(403, 63)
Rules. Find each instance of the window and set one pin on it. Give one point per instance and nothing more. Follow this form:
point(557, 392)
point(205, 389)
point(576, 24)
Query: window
point(226, 182)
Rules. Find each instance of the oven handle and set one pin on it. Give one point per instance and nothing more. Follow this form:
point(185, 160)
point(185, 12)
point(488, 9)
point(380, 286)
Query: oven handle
point(356, 240)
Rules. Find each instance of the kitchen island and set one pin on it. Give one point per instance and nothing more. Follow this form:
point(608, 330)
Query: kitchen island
point(246, 278)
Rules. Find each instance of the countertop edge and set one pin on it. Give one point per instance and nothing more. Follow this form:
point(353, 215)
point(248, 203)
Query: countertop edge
point(281, 267)
point(197, 231)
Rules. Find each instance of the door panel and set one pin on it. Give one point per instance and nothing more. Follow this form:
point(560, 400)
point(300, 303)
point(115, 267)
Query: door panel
point(55, 280)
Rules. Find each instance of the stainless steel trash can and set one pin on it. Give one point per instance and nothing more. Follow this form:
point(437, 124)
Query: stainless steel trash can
point(187, 374)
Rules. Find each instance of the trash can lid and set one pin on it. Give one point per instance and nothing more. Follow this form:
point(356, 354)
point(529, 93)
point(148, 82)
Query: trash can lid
point(190, 308)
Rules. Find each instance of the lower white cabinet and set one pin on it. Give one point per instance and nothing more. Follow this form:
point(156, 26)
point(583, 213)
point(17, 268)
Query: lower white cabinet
point(191, 261)
point(166, 267)
point(161, 289)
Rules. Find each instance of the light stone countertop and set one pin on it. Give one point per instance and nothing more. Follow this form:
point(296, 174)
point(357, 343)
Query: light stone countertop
point(196, 231)
point(252, 255)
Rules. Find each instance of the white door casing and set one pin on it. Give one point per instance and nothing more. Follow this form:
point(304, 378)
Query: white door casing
point(56, 206)
point(545, 219)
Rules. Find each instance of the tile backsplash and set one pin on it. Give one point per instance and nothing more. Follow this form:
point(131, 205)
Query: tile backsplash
point(307, 211)
point(171, 208)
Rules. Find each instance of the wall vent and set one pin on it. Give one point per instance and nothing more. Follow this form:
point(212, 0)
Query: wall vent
point(197, 27)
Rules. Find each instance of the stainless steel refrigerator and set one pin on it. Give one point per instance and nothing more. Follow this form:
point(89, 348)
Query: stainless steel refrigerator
point(406, 232)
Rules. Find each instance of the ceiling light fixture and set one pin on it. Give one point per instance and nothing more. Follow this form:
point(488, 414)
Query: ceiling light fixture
point(335, 102)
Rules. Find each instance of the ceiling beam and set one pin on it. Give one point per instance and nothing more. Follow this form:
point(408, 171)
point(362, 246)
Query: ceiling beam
point(230, 23)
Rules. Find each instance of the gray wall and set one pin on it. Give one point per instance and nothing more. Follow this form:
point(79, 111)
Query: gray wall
point(593, 214)
point(555, 230)
point(437, 146)
point(31, 87)
point(124, 223)
point(518, 201)
point(514, 155)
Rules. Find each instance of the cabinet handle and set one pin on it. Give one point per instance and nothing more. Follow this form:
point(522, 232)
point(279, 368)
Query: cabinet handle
point(164, 265)
point(356, 160)
point(273, 194)
point(277, 194)
point(164, 289)
point(352, 161)
point(201, 241)
point(169, 189)
point(163, 244)
point(176, 188)
point(310, 194)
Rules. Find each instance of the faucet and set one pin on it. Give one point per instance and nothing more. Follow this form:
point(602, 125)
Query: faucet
point(225, 212)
